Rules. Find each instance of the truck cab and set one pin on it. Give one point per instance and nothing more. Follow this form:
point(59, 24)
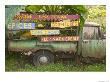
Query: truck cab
point(94, 43)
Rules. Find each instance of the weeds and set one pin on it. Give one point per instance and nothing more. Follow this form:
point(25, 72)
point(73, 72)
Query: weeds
point(21, 63)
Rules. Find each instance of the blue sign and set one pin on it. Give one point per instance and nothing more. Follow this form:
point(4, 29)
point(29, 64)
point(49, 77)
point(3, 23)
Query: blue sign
point(18, 26)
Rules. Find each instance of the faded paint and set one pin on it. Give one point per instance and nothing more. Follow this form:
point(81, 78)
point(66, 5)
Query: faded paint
point(33, 44)
point(94, 48)
point(93, 45)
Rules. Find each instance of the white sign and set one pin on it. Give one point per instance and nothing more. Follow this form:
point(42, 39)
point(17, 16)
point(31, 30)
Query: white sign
point(45, 32)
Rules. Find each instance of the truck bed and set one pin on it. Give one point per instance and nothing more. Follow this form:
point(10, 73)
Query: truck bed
point(33, 45)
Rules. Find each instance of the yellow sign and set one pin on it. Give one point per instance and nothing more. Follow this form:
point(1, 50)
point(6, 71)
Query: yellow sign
point(45, 32)
point(64, 24)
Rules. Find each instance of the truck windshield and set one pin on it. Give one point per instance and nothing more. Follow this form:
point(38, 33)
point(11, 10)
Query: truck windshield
point(90, 33)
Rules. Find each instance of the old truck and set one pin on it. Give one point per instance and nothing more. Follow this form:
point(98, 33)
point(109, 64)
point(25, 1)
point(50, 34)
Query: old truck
point(90, 45)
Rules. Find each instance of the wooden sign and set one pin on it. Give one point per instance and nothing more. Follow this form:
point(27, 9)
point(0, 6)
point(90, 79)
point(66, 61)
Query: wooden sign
point(45, 32)
point(59, 38)
point(64, 24)
point(25, 16)
point(18, 26)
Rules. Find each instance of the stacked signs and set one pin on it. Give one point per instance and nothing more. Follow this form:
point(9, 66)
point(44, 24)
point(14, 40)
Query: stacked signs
point(34, 32)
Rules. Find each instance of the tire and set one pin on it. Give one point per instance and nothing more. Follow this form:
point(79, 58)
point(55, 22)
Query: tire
point(43, 57)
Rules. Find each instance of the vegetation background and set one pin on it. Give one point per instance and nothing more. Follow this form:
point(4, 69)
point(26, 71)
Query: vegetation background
point(94, 13)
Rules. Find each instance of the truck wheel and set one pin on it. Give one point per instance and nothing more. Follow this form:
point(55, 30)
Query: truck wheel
point(43, 57)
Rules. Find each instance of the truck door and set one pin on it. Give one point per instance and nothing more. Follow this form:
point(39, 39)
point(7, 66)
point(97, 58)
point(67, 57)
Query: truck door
point(93, 45)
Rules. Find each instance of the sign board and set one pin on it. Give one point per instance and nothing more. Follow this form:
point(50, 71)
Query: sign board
point(45, 32)
point(64, 24)
point(25, 16)
point(59, 38)
point(18, 26)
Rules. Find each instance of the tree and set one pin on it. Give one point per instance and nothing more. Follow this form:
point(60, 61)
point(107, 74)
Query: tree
point(59, 9)
point(11, 11)
point(97, 13)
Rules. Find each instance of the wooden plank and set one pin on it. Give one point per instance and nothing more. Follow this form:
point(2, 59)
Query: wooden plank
point(59, 38)
point(64, 24)
point(27, 16)
point(44, 32)
point(18, 26)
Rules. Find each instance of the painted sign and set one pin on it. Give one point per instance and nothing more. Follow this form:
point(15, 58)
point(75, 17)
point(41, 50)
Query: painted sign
point(64, 24)
point(25, 16)
point(59, 38)
point(45, 32)
point(18, 26)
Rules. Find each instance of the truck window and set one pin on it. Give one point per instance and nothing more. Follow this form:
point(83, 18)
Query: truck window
point(90, 33)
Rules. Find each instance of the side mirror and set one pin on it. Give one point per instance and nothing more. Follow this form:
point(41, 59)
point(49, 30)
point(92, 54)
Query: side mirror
point(104, 36)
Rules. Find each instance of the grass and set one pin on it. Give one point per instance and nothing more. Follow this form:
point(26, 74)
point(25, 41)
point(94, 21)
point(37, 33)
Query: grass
point(20, 63)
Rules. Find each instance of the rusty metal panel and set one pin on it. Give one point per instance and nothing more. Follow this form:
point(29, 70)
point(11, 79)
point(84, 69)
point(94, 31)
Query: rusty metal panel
point(94, 48)
point(22, 44)
point(33, 44)
point(62, 46)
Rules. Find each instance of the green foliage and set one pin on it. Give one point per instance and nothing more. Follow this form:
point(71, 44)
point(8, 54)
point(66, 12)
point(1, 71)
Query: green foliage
point(96, 11)
point(11, 11)
point(32, 8)
point(97, 14)
point(59, 9)
point(17, 62)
